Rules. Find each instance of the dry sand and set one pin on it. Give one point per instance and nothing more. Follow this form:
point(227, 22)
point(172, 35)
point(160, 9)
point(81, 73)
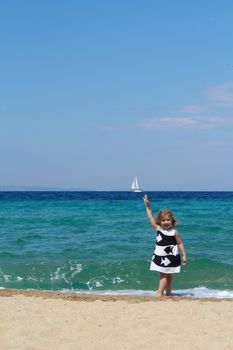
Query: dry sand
point(55, 321)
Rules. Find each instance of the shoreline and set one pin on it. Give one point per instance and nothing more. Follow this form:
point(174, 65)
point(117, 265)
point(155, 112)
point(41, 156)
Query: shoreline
point(74, 296)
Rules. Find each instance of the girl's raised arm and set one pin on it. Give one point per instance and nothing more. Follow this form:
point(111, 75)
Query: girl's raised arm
point(149, 211)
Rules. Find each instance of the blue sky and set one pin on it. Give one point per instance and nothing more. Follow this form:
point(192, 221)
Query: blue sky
point(94, 92)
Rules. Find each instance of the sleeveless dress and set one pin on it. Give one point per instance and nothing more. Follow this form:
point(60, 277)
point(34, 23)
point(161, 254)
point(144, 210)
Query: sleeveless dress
point(166, 257)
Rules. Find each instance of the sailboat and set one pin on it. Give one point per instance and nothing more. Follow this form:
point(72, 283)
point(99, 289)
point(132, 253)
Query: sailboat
point(135, 185)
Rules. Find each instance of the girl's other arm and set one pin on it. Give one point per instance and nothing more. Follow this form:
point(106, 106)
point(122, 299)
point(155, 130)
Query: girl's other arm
point(149, 211)
point(181, 247)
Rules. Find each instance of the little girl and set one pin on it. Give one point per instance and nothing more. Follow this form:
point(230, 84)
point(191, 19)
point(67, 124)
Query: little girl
point(166, 257)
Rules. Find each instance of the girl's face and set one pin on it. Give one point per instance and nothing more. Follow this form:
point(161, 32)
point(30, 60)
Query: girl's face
point(166, 222)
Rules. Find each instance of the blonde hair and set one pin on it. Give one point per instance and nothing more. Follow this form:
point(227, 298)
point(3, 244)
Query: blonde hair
point(163, 213)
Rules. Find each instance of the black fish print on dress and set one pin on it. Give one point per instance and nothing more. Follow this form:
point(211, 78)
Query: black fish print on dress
point(169, 250)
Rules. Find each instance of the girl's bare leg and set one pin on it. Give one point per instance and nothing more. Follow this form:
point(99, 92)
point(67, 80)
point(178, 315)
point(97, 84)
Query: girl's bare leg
point(168, 287)
point(162, 284)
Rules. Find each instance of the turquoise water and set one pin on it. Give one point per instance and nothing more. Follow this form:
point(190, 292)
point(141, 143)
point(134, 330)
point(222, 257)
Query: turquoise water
point(102, 241)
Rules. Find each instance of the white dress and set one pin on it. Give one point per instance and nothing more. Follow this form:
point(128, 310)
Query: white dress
point(166, 257)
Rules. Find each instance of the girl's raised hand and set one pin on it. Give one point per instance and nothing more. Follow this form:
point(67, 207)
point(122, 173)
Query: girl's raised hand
point(146, 200)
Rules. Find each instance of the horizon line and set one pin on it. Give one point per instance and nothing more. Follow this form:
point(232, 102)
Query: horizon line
point(60, 189)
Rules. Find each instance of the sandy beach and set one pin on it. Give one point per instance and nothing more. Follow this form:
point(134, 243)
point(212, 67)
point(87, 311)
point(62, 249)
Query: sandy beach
point(36, 320)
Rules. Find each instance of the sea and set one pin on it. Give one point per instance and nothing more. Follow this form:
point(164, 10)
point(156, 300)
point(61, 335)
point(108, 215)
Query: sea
point(102, 242)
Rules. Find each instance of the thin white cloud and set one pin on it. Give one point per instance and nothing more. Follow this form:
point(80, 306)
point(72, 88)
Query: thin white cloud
point(221, 94)
point(198, 116)
point(193, 109)
point(156, 122)
point(182, 122)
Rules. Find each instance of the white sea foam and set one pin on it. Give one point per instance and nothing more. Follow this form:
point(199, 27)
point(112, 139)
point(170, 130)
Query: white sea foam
point(117, 280)
point(19, 279)
point(62, 273)
point(203, 292)
point(96, 283)
point(199, 292)
point(10, 278)
point(76, 269)
point(93, 283)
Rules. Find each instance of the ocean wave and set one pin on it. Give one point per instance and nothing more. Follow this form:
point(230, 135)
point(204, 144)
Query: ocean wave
point(9, 278)
point(99, 282)
point(198, 292)
point(66, 273)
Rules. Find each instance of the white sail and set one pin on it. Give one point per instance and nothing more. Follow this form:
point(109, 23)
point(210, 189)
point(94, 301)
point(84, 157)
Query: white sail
point(135, 185)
